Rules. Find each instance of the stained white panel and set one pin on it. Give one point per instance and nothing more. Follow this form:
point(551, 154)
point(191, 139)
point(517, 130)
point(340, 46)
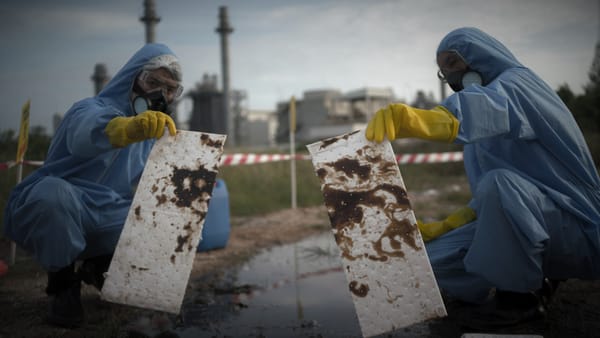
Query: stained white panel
point(384, 258)
point(155, 253)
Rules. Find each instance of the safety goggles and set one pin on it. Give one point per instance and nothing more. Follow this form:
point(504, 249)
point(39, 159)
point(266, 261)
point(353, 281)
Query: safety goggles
point(151, 82)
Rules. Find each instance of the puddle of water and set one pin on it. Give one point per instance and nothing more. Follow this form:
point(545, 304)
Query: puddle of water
point(296, 290)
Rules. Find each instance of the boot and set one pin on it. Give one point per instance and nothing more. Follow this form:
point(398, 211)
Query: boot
point(507, 309)
point(64, 289)
point(92, 270)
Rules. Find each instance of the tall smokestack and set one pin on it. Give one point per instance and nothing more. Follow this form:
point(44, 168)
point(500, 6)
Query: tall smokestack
point(100, 77)
point(224, 29)
point(150, 19)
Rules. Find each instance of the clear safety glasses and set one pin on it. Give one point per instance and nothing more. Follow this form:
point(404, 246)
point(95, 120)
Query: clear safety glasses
point(441, 76)
point(152, 82)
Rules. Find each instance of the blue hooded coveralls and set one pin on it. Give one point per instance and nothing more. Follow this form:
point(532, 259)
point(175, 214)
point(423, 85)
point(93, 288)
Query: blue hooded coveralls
point(75, 205)
point(535, 188)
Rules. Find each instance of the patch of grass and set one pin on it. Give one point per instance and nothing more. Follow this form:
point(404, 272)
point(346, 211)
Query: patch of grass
point(263, 188)
point(424, 176)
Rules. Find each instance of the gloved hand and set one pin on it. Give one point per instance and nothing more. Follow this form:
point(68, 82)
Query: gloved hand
point(123, 131)
point(433, 230)
point(399, 120)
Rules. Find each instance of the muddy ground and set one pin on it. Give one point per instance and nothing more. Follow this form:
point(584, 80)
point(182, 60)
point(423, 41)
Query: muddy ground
point(575, 311)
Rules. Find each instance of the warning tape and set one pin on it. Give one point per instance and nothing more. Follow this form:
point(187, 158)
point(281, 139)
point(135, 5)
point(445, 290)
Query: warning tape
point(242, 159)
point(239, 159)
point(456, 156)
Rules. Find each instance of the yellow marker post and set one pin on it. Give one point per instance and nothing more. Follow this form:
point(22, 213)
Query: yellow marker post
point(23, 132)
point(21, 149)
point(293, 150)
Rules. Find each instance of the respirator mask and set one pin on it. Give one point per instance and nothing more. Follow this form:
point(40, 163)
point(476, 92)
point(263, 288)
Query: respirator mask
point(457, 72)
point(460, 80)
point(154, 100)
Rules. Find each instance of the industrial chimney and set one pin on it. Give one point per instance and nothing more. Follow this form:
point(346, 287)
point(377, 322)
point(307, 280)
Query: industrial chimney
point(150, 19)
point(100, 77)
point(224, 29)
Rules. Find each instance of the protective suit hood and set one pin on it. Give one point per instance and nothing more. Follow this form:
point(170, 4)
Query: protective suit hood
point(118, 89)
point(482, 52)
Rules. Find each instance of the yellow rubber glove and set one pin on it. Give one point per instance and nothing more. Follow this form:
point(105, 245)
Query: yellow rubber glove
point(433, 230)
point(399, 120)
point(123, 131)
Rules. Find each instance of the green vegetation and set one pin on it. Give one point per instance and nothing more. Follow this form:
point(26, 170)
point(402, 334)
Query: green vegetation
point(586, 107)
point(262, 188)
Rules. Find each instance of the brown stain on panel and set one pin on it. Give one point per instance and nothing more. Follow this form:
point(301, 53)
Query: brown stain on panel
point(345, 209)
point(139, 268)
point(185, 240)
point(326, 143)
point(191, 186)
point(359, 291)
point(205, 139)
point(181, 241)
point(351, 167)
point(137, 212)
point(160, 199)
point(192, 190)
point(345, 244)
point(321, 173)
point(397, 229)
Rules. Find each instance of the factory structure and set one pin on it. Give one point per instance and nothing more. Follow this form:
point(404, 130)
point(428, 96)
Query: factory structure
point(320, 113)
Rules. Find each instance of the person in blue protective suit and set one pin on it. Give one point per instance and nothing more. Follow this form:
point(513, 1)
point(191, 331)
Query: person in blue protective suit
point(534, 215)
point(73, 208)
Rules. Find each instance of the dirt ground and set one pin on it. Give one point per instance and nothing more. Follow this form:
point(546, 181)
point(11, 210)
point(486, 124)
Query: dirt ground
point(23, 302)
point(574, 313)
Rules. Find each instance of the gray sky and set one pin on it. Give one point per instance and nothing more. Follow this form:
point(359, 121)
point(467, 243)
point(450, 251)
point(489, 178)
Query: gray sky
point(278, 48)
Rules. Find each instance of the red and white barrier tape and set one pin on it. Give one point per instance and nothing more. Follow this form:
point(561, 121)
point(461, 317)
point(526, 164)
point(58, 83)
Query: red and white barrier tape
point(240, 159)
point(456, 156)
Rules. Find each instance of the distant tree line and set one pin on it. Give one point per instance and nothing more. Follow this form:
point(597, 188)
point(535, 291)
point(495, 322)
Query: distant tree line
point(586, 107)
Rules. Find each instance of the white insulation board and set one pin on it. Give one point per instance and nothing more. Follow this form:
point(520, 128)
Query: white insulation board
point(388, 272)
point(155, 253)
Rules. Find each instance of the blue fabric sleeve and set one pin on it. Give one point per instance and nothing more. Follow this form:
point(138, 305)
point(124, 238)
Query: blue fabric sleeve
point(86, 137)
point(484, 112)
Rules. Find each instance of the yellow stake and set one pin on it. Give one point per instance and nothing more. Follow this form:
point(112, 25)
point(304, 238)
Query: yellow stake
point(23, 132)
point(293, 115)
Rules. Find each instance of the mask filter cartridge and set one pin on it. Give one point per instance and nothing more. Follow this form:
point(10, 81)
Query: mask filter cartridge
point(470, 78)
point(152, 101)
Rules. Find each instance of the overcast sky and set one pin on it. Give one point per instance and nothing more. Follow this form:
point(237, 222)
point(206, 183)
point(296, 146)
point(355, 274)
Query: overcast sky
point(278, 48)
